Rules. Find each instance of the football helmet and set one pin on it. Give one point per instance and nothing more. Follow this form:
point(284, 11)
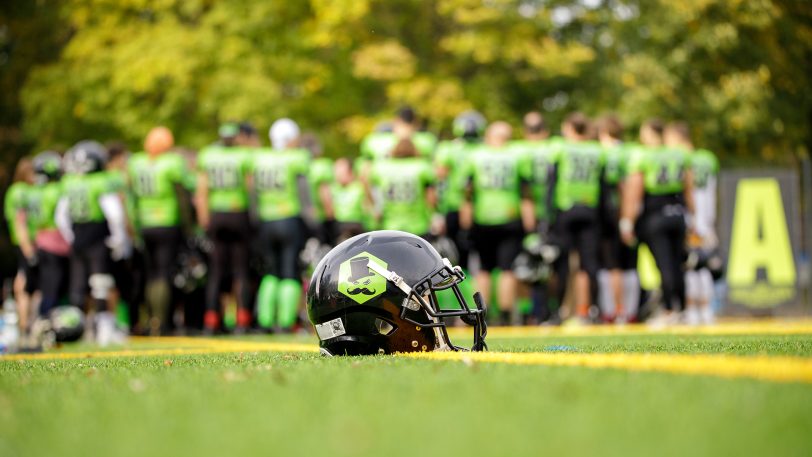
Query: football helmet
point(535, 263)
point(48, 166)
point(375, 293)
point(469, 125)
point(68, 323)
point(85, 157)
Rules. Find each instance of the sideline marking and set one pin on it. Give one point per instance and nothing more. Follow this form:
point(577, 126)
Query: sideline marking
point(764, 368)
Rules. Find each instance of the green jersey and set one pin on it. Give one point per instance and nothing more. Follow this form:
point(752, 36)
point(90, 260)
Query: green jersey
point(321, 172)
point(615, 169)
point(348, 202)
point(539, 159)
point(496, 177)
point(42, 206)
point(579, 172)
point(379, 145)
point(226, 169)
point(275, 175)
point(14, 202)
point(663, 169)
point(704, 165)
point(402, 185)
point(83, 193)
point(153, 182)
point(451, 155)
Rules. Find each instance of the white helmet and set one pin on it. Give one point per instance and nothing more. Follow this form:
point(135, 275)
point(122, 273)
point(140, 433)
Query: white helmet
point(283, 132)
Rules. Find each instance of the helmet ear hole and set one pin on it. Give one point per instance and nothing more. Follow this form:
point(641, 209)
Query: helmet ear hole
point(384, 327)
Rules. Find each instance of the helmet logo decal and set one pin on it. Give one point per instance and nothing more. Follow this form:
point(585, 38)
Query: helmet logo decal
point(357, 281)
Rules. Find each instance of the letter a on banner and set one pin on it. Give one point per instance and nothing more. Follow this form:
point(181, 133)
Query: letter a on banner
point(760, 241)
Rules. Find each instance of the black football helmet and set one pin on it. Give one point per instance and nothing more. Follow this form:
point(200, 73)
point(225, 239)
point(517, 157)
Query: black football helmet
point(48, 166)
point(469, 125)
point(375, 293)
point(85, 157)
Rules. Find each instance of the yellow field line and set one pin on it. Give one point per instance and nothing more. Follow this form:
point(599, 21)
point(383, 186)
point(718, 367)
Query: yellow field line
point(765, 368)
point(213, 347)
point(767, 327)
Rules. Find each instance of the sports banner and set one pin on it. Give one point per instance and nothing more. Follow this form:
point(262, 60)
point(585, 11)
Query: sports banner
point(759, 213)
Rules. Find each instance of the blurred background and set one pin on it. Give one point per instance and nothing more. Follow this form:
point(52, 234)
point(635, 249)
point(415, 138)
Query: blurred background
point(739, 72)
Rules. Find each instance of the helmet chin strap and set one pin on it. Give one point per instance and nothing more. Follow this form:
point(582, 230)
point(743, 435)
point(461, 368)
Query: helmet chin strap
point(397, 280)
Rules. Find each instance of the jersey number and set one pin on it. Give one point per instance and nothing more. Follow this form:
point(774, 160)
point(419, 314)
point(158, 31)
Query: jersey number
point(145, 183)
point(497, 176)
point(401, 192)
point(223, 177)
point(270, 179)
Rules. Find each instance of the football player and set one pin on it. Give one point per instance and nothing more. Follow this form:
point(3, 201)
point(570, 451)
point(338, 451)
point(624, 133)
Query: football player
point(617, 279)
point(158, 178)
point(655, 203)
point(15, 204)
point(278, 181)
point(222, 208)
point(499, 210)
point(91, 217)
point(575, 198)
point(538, 151)
point(702, 234)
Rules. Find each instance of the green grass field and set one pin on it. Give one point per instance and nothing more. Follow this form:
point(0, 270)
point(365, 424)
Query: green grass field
point(298, 403)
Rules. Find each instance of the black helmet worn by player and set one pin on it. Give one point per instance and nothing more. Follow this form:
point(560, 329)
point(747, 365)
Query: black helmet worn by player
point(48, 165)
point(85, 157)
point(469, 125)
point(375, 294)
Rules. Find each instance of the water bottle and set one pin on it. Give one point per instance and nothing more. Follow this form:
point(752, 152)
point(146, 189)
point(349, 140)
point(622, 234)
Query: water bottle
point(10, 330)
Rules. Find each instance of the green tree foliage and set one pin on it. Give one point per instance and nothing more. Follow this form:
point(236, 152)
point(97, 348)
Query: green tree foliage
point(738, 70)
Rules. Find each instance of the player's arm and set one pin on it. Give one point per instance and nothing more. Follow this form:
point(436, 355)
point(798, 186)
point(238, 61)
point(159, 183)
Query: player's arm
point(24, 238)
point(467, 206)
point(113, 209)
point(326, 199)
point(527, 207)
point(202, 199)
point(688, 190)
point(63, 220)
point(306, 200)
point(630, 206)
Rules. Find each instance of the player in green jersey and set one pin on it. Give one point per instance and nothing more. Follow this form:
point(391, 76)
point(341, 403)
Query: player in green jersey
point(320, 177)
point(499, 210)
point(469, 128)
point(538, 151)
point(221, 197)
point(402, 190)
point(658, 195)
point(702, 239)
point(380, 144)
point(348, 204)
point(619, 290)
point(157, 178)
point(90, 216)
point(576, 198)
point(15, 203)
point(52, 249)
point(278, 181)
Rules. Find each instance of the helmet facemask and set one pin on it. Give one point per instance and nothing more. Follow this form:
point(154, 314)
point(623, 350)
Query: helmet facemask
point(422, 297)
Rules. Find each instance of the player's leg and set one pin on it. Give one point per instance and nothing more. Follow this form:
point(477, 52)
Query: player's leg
point(269, 285)
point(240, 255)
point(588, 244)
point(654, 233)
point(706, 296)
point(290, 284)
point(508, 248)
point(692, 297)
point(217, 271)
point(102, 284)
point(487, 259)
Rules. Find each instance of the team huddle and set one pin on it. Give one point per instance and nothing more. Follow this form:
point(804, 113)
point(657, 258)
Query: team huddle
point(223, 239)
